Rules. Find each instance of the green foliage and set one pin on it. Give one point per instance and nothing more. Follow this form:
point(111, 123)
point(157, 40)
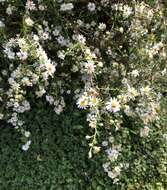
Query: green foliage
point(58, 160)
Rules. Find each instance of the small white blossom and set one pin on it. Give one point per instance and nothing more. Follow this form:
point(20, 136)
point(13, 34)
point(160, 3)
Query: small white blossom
point(27, 134)
point(102, 26)
point(66, 6)
point(113, 105)
point(82, 102)
point(26, 146)
point(29, 21)
point(144, 132)
point(135, 73)
point(91, 6)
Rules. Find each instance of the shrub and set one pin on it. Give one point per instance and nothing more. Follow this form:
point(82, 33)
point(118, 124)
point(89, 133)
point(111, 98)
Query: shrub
point(107, 58)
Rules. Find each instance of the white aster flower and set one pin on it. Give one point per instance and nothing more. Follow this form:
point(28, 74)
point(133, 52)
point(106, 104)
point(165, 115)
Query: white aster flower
point(41, 92)
point(50, 68)
point(58, 109)
point(91, 6)
point(80, 38)
point(106, 166)
point(112, 154)
point(113, 105)
point(30, 5)
point(105, 143)
point(29, 21)
point(66, 6)
point(135, 73)
point(93, 101)
point(102, 26)
point(115, 172)
point(10, 9)
point(27, 134)
point(145, 90)
point(132, 92)
point(90, 66)
point(144, 132)
point(61, 54)
point(41, 7)
point(26, 146)
point(22, 55)
point(50, 99)
point(82, 102)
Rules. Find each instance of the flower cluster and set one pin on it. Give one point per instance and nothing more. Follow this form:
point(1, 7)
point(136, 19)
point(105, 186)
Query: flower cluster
point(108, 58)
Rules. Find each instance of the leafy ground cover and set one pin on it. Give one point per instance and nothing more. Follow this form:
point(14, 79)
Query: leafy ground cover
point(58, 158)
